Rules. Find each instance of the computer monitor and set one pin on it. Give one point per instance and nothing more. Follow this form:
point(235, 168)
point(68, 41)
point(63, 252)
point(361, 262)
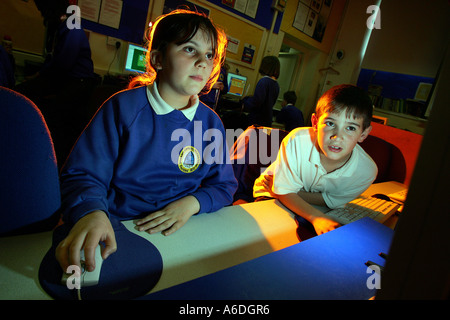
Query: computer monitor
point(135, 60)
point(236, 84)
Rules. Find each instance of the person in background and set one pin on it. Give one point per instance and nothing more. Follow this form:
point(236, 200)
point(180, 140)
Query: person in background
point(139, 157)
point(260, 105)
point(62, 87)
point(323, 165)
point(7, 78)
point(289, 115)
point(68, 60)
point(212, 98)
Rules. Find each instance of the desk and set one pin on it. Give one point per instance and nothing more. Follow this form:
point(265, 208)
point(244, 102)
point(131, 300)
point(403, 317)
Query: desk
point(207, 243)
point(330, 266)
point(215, 241)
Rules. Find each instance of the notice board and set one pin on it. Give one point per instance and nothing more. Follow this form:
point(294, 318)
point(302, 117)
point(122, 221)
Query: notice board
point(128, 24)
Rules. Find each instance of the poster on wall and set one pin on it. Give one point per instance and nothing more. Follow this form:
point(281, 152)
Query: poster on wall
point(90, 9)
point(247, 7)
point(110, 13)
point(106, 12)
point(248, 53)
point(312, 16)
point(233, 44)
point(125, 20)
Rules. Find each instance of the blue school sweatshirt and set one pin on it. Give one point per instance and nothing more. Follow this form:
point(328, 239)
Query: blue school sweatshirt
point(260, 105)
point(131, 161)
point(71, 56)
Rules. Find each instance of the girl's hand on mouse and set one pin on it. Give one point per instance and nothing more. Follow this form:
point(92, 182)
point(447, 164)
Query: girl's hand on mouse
point(86, 235)
point(171, 218)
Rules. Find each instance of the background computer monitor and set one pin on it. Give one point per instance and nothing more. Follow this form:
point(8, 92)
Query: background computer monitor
point(236, 84)
point(135, 60)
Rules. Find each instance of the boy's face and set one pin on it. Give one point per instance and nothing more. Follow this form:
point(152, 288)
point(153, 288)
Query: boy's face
point(337, 135)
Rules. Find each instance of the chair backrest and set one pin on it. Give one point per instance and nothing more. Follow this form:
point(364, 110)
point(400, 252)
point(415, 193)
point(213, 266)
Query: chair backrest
point(403, 147)
point(29, 182)
point(254, 150)
point(389, 159)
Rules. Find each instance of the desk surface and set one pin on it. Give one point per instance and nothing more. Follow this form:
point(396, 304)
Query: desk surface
point(330, 266)
point(206, 244)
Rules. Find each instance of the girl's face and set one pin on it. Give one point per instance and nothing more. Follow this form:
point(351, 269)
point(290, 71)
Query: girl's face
point(184, 70)
point(337, 135)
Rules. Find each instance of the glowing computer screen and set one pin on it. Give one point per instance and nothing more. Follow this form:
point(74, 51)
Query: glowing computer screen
point(236, 84)
point(135, 61)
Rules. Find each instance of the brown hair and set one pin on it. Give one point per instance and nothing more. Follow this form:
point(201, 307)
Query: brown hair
point(270, 66)
point(179, 26)
point(354, 100)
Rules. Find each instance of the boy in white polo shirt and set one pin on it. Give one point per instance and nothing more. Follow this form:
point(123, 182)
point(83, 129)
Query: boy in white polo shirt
point(323, 165)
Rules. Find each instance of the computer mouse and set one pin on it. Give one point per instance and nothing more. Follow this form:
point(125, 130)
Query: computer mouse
point(381, 196)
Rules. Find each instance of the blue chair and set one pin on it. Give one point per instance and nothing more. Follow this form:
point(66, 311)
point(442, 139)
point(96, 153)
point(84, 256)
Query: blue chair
point(29, 181)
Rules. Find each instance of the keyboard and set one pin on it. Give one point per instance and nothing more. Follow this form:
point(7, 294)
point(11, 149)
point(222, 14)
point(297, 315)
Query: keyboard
point(377, 209)
point(399, 195)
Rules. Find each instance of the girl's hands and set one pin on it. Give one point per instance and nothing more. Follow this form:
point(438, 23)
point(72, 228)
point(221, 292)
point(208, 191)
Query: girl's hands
point(171, 218)
point(86, 235)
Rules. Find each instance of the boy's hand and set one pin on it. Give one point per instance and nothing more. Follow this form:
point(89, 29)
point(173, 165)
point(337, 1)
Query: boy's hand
point(318, 219)
point(171, 218)
point(324, 224)
point(267, 181)
point(86, 234)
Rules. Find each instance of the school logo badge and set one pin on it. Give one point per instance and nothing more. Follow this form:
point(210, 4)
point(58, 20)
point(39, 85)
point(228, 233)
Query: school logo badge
point(189, 159)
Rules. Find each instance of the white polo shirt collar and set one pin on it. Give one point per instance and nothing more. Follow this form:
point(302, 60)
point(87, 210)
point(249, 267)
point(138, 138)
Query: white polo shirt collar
point(314, 158)
point(161, 107)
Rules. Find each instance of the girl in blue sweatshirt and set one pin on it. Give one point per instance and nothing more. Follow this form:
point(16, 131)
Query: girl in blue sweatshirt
point(153, 153)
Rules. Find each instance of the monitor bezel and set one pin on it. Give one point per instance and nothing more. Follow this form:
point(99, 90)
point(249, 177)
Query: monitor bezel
point(129, 54)
point(238, 76)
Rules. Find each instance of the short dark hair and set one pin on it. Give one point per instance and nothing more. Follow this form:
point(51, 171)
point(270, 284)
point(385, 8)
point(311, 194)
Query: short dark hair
point(270, 66)
point(290, 97)
point(354, 100)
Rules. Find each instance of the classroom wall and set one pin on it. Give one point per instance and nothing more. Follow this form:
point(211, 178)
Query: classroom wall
point(233, 25)
point(411, 41)
point(412, 38)
point(350, 40)
point(395, 47)
point(245, 32)
point(333, 22)
point(23, 23)
point(308, 82)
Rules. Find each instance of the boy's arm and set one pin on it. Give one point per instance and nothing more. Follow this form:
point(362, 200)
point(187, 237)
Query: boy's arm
point(314, 198)
point(321, 222)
